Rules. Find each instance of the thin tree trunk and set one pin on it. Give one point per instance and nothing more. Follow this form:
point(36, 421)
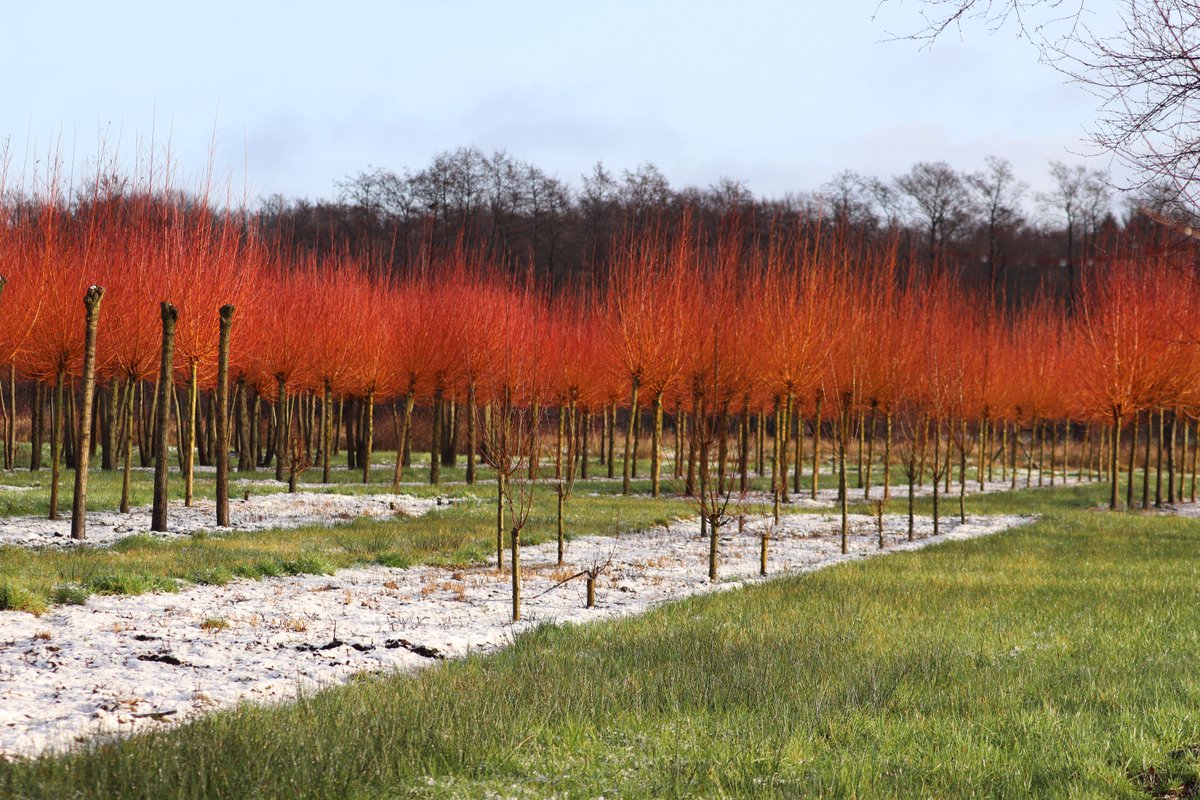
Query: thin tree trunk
point(327, 430)
point(816, 470)
point(760, 447)
point(796, 429)
point(131, 395)
point(937, 440)
point(1114, 464)
point(744, 447)
point(870, 436)
point(108, 426)
point(37, 425)
point(368, 434)
point(163, 417)
point(656, 445)
point(714, 529)
point(91, 303)
point(783, 424)
point(887, 456)
point(472, 433)
point(189, 459)
point(861, 427)
point(435, 439)
point(1146, 462)
point(630, 433)
point(586, 426)
point(398, 474)
point(282, 425)
point(516, 573)
point(1133, 440)
point(843, 489)
point(56, 437)
point(221, 415)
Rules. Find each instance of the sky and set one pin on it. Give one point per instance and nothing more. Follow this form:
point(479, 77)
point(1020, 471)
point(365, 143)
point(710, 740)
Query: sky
point(292, 97)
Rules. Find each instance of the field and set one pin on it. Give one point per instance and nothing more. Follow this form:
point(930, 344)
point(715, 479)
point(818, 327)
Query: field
point(1053, 660)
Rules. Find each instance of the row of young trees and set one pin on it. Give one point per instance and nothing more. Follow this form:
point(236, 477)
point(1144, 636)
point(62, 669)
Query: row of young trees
point(745, 351)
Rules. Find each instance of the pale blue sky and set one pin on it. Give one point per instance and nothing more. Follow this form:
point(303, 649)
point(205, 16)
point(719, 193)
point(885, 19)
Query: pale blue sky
point(301, 94)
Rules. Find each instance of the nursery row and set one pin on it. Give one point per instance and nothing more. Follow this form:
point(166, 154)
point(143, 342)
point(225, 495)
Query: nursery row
point(724, 339)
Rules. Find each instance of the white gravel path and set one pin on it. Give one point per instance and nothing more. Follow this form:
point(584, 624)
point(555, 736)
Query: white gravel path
point(122, 664)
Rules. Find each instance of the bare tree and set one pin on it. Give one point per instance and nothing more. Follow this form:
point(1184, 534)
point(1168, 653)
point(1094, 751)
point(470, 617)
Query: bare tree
point(1077, 195)
point(940, 199)
point(997, 194)
point(1145, 72)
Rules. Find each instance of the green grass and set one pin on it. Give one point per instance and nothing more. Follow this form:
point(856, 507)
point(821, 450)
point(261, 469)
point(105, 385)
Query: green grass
point(459, 534)
point(1053, 661)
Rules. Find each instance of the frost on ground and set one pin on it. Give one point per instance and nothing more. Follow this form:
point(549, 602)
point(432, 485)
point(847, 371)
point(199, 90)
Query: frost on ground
point(123, 664)
point(256, 513)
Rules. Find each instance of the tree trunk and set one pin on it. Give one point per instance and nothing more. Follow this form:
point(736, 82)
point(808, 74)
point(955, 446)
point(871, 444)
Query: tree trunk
point(282, 425)
point(435, 439)
point(108, 426)
point(630, 432)
point(221, 416)
point(256, 439)
point(796, 431)
point(937, 441)
point(962, 473)
point(714, 530)
point(450, 435)
point(584, 439)
point(843, 489)
point(887, 456)
point(56, 437)
point(187, 438)
point(561, 542)
point(760, 445)
point(516, 574)
point(1146, 462)
point(861, 428)
point(398, 474)
point(368, 429)
point(656, 445)
point(91, 303)
point(68, 437)
point(327, 431)
point(37, 425)
point(912, 494)
point(776, 462)
point(610, 417)
point(783, 415)
point(163, 417)
point(1114, 461)
point(744, 447)
point(722, 446)
point(351, 421)
point(472, 433)
point(1133, 439)
point(131, 394)
point(10, 429)
point(816, 470)
point(870, 436)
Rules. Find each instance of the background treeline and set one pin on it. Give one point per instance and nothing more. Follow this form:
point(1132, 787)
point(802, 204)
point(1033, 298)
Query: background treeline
point(987, 226)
